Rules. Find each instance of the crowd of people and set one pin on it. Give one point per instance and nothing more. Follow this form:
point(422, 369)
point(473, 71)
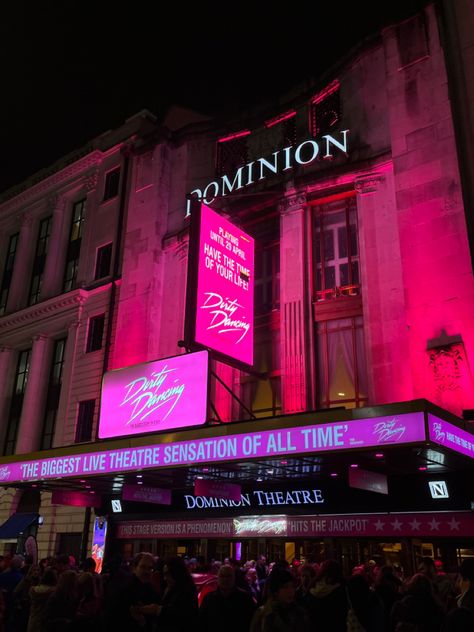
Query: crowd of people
point(152, 595)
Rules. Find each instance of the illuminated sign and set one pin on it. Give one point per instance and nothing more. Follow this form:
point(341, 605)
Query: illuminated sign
point(450, 436)
point(220, 309)
point(116, 506)
point(283, 160)
point(260, 525)
point(438, 489)
point(203, 487)
point(258, 498)
point(75, 499)
point(155, 396)
point(336, 436)
point(143, 494)
point(98, 542)
point(369, 481)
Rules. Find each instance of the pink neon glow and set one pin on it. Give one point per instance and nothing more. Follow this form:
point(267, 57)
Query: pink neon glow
point(225, 289)
point(75, 499)
point(333, 474)
point(336, 436)
point(445, 524)
point(280, 118)
point(244, 132)
point(155, 396)
point(422, 468)
point(217, 489)
point(154, 495)
point(379, 455)
point(450, 436)
point(330, 89)
point(354, 465)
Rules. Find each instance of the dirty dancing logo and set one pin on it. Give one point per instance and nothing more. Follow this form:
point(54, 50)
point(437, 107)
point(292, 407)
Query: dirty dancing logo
point(222, 315)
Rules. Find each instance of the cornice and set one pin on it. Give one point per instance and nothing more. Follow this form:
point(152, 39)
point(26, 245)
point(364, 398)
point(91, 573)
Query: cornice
point(294, 201)
point(42, 310)
point(32, 193)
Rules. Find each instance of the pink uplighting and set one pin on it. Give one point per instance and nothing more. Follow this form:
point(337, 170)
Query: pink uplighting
point(334, 474)
point(280, 118)
point(330, 89)
point(244, 132)
point(354, 465)
point(379, 455)
point(422, 468)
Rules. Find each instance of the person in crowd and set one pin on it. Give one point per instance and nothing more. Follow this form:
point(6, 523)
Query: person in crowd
point(304, 597)
point(262, 569)
point(388, 589)
point(461, 618)
point(331, 600)
point(60, 609)
point(280, 613)
point(62, 564)
point(228, 603)
point(39, 596)
point(443, 588)
point(20, 601)
point(9, 580)
point(89, 606)
point(254, 586)
point(179, 607)
point(366, 606)
point(419, 607)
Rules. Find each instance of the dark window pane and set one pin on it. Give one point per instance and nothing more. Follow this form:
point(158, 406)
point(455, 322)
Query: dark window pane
point(342, 241)
point(104, 257)
point(353, 240)
point(112, 180)
point(328, 245)
point(355, 273)
point(96, 330)
point(85, 420)
point(329, 277)
point(344, 274)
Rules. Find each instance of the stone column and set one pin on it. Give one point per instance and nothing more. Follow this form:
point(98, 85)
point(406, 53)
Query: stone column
point(32, 414)
point(85, 272)
point(21, 278)
point(382, 289)
point(295, 308)
point(54, 268)
point(60, 430)
point(6, 375)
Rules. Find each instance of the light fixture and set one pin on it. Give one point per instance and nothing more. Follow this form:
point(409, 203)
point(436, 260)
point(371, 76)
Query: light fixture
point(283, 462)
point(422, 468)
point(139, 475)
point(354, 465)
point(259, 479)
point(199, 478)
point(334, 474)
point(379, 455)
point(139, 482)
point(341, 394)
point(270, 471)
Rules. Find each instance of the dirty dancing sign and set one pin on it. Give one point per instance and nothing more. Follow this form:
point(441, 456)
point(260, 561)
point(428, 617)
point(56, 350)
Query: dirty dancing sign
point(223, 304)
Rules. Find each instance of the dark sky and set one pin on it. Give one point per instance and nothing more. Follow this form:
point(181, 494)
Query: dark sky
point(72, 69)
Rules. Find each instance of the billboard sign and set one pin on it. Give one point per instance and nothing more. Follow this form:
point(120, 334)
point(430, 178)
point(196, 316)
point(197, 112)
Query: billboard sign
point(220, 301)
point(161, 395)
point(98, 542)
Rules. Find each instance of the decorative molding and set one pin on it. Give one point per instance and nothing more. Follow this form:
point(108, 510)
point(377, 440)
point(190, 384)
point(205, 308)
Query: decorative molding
point(447, 364)
point(368, 183)
point(42, 310)
point(293, 202)
point(90, 180)
point(178, 243)
point(26, 219)
point(41, 337)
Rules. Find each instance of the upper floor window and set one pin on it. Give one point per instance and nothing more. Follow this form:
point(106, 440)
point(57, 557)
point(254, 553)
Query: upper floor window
point(286, 123)
point(85, 419)
point(95, 333)
point(112, 181)
point(325, 110)
point(412, 40)
point(74, 245)
point(16, 405)
point(267, 278)
point(335, 250)
point(8, 271)
point(39, 262)
point(103, 260)
point(231, 153)
point(53, 395)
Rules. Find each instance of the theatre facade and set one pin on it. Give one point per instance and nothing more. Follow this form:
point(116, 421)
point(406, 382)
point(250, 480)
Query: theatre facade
point(250, 336)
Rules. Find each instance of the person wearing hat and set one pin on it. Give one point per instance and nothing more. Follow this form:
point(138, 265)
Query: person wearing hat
point(280, 613)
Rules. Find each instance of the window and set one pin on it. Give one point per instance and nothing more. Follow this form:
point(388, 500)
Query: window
point(54, 393)
point(39, 262)
point(335, 250)
point(112, 180)
point(231, 153)
point(342, 377)
point(325, 110)
point(8, 271)
point(102, 264)
point(267, 278)
point(85, 419)
point(95, 333)
point(19, 388)
point(74, 246)
point(412, 40)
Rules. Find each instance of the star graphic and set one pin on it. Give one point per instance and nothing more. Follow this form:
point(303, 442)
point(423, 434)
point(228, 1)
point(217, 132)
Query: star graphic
point(396, 525)
point(454, 524)
point(415, 525)
point(379, 525)
point(434, 524)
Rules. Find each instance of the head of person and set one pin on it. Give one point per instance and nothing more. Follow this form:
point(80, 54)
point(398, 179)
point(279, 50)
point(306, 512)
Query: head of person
point(420, 586)
point(62, 563)
point(50, 577)
point(226, 579)
point(251, 575)
point(67, 586)
point(176, 574)
point(86, 586)
point(281, 586)
point(330, 572)
point(427, 567)
point(307, 576)
point(89, 565)
point(143, 566)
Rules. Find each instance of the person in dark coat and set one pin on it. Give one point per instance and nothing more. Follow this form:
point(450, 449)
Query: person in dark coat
point(228, 606)
point(461, 619)
point(280, 613)
point(331, 600)
point(419, 608)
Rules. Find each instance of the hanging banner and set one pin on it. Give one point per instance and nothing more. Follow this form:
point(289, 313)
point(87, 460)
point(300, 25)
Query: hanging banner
point(161, 395)
point(143, 494)
point(75, 499)
point(216, 489)
point(369, 481)
point(220, 299)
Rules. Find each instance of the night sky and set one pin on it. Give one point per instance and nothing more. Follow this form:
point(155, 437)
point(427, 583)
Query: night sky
point(74, 69)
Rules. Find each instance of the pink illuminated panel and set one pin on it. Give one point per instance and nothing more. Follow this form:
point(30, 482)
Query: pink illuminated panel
point(225, 288)
point(329, 437)
point(155, 396)
point(203, 487)
point(450, 436)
